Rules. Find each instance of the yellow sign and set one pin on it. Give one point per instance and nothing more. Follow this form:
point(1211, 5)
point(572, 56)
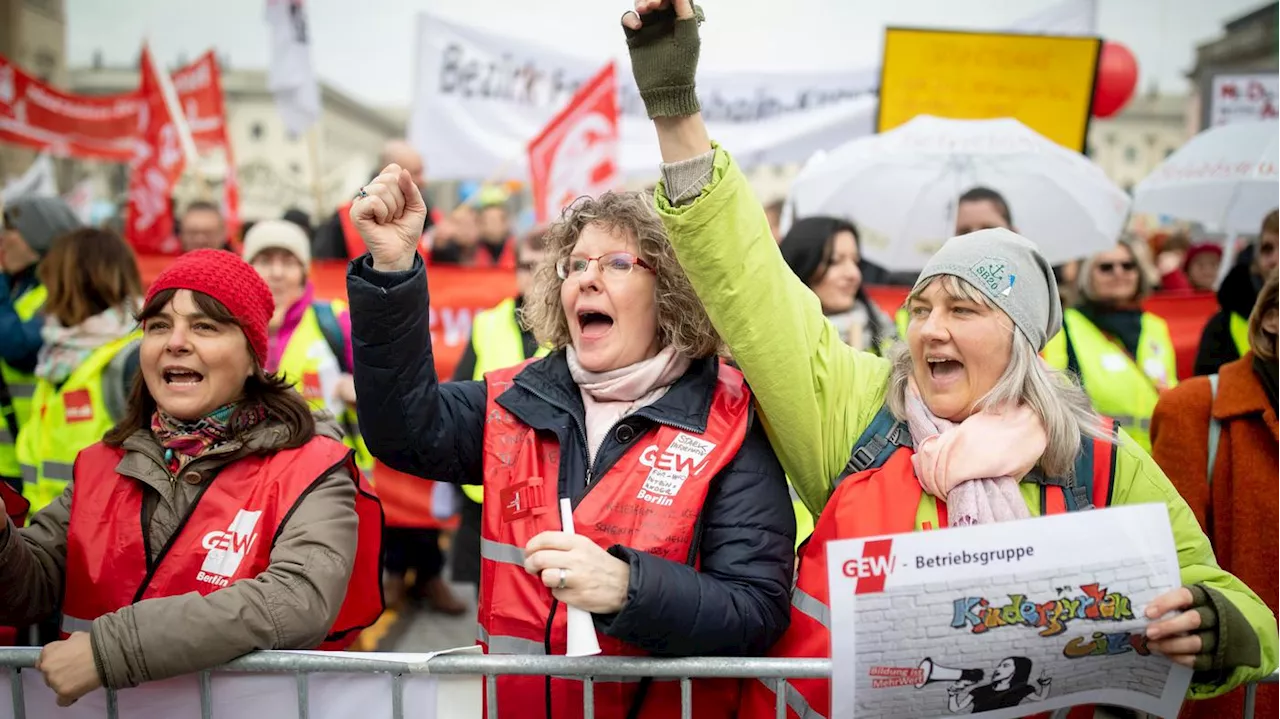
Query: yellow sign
point(1043, 81)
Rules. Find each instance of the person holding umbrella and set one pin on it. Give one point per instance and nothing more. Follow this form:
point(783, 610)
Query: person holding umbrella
point(863, 439)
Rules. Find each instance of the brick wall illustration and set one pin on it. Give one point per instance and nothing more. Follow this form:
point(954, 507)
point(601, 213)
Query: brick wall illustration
point(899, 628)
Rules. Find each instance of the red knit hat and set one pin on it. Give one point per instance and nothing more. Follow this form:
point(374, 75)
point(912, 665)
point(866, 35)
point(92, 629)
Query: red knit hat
point(230, 280)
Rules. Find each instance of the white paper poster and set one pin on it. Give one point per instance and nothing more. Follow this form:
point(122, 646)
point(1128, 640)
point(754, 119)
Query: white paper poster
point(1237, 98)
point(1003, 620)
point(330, 695)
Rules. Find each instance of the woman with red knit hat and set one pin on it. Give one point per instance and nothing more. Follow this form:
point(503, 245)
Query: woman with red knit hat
point(256, 532)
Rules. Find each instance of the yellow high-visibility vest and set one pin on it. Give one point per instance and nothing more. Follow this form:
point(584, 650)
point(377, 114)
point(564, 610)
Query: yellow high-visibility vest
point(21, 386)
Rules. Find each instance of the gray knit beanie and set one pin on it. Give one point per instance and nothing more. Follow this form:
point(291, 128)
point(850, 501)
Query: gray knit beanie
point(41, 220)
point(1010, 272)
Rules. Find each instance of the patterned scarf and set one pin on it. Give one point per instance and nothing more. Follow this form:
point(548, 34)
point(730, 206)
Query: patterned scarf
point(66, 348)
point(185, 440)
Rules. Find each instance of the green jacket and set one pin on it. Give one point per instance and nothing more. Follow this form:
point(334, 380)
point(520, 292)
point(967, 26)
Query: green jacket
point(816, 394)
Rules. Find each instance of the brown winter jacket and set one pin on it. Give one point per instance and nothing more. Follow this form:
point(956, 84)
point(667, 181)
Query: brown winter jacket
point(1239, 510)
point(291, 605)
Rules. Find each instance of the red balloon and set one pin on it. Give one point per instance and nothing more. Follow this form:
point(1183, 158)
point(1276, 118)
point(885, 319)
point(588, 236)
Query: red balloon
point(1116, 78)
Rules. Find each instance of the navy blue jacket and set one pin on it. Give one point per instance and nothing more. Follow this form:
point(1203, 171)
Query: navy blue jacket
point(738, 603)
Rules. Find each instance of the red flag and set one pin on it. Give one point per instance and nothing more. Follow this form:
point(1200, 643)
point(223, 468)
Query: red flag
point(34, 114)
point(154, 169)
point(577, 153)
point(199, 88)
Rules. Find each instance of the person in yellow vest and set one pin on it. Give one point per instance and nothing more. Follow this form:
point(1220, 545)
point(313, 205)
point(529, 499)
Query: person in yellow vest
point(308, 340)
point(498, 339)
point(1123, 356)
point(1226, 336)
point(30, 226)
point(89, 358)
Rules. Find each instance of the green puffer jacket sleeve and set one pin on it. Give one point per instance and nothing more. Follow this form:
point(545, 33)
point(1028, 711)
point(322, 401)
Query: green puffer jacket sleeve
point(1139, 480)
point(816, 394)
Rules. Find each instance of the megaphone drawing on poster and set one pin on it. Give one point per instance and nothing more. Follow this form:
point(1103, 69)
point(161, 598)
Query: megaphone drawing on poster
point(931, 672)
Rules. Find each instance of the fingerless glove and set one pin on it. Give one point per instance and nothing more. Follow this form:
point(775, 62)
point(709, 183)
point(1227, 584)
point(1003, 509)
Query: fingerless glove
point(664, 61)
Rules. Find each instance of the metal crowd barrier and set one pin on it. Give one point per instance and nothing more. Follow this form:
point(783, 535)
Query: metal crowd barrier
point(492, 666)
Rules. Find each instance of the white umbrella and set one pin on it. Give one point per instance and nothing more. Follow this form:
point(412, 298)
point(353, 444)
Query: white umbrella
point(1225, 178)
point(900, 189)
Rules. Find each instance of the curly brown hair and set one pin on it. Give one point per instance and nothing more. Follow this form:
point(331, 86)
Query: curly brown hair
point(682, 321)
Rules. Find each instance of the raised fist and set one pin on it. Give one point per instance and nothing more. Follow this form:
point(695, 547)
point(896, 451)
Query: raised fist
point(635, 20)
point(389, 214)
point(662, 37)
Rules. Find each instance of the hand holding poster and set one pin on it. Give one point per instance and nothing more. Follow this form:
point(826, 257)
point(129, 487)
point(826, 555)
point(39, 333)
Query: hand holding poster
point(1004, 620)
point(577, 153)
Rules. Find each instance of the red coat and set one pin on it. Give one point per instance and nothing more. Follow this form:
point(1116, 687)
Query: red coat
point(1238, 509)
point(227, 536)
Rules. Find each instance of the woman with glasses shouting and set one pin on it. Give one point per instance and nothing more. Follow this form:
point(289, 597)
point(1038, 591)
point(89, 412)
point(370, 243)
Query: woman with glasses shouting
point(1123, 356)
point(684, 529)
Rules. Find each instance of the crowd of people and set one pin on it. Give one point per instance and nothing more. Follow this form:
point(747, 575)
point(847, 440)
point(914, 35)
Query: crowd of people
point(226, 401)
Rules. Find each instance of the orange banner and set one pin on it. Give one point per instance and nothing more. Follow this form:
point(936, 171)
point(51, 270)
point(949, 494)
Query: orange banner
point(457, 294)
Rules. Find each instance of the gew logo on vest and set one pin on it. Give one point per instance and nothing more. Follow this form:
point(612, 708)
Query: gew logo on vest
point(227, 549)
point(669, 468)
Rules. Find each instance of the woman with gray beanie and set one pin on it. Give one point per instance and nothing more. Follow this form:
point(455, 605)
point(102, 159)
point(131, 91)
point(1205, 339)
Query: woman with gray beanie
point(30, 225)
point(876, 446)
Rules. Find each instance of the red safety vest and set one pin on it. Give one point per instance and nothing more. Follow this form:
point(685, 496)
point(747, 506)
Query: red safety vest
point(355, 243)
point(16, 507)
point(226, 537)
point(650, 501)
point(874, 502)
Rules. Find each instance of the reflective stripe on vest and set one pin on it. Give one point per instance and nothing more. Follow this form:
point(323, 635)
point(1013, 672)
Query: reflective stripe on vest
point(1240, 333)
point(650, 500)
point(65, 420)
point(884, 500)
point(1119, 386)
point(498, 343)
point(71, 625)
point(508, 645)
point(21, 385)
point(227, 535)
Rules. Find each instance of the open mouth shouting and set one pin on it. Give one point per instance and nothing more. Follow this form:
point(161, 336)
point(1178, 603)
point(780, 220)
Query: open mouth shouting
point(181, 378)
point(944, 369)
point(594, 324)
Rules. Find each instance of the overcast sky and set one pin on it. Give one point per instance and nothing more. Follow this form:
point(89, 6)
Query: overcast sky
point(366, 49)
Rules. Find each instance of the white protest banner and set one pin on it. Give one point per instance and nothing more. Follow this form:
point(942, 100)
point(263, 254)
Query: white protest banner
point(481, 96)
point(330, 695)
point(1004, 620)
point(577, 152)
point(1237, 98)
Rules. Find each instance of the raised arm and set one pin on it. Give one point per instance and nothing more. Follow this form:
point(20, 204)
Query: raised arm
point(816, 394)
point(408, 419)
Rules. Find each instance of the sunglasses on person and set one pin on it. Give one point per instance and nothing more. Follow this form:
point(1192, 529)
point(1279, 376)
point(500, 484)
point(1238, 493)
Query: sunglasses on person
point(1109, 267)
point(611, 265)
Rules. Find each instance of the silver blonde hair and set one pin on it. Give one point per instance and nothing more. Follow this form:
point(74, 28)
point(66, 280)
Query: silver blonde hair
point(1054, 395)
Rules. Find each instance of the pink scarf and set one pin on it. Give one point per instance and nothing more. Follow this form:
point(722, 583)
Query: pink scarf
point(611, 395)
point(975, 466)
